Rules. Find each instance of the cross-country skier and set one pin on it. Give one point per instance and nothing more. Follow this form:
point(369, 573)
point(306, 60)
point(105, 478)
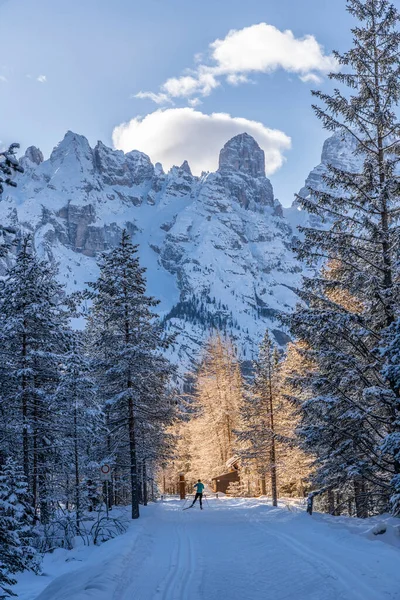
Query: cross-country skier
point(199, 493)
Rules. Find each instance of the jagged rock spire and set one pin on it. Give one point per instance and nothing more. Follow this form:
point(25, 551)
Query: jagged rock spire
point(243, 154)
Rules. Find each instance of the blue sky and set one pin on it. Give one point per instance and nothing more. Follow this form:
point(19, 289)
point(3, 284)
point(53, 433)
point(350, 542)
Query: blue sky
point(79, 65)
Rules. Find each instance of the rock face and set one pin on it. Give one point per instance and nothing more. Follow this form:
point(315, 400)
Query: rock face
point(244, 155)
point(336, 151)
point(216, 247)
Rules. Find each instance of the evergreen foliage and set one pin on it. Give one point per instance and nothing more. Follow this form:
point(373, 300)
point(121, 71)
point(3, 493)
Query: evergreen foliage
point(9, 165)
point(127, 346)
point(81, 423)
point(350, 420)
point(33, 338)
point(17, 553)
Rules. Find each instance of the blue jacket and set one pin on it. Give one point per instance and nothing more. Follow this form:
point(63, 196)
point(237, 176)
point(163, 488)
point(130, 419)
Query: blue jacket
point(199, 487)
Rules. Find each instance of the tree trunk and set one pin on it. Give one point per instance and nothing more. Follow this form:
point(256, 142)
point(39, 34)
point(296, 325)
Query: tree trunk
point(133, 463)
point(331, 502)
point(263, 485)
point(112, 483)
point(360, 498)
point(274, 486)
point(145, 495)
point(25, 424)
point(77, 474)
point(35, 474)
point(131, 421)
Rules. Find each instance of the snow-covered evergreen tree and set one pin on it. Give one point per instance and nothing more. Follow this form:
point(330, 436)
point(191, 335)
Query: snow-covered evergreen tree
point(9, 165)
point(17, 553)
point(134, 374)
point(80, 422)
point(32, 339)
point(351, 420)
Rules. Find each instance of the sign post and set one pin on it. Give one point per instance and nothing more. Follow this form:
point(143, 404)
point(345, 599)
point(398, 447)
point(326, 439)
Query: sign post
point(105, 475)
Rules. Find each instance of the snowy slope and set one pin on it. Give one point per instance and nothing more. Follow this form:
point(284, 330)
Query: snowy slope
point(216, 248)
point(241, 549)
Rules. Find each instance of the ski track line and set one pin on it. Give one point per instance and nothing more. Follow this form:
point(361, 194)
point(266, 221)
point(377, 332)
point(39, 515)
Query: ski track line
point(355, 585)
point(131, 564)
point(350, 583)
point(187, 581)
point(173, 567)
point(179, 580)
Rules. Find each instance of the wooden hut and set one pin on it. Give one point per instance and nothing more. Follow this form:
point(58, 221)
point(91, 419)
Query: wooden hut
point(221, 482)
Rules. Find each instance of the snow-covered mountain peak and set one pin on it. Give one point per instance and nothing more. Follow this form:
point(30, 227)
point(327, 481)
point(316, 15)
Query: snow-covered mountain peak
point(185, 167)
point(243, 154)
point(217, 248)
point(339, 151)
point(33, 156)
point(74, 155)
point(72, 144)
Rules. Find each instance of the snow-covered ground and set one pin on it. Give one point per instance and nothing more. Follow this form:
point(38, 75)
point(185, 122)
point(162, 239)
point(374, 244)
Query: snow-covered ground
point(240, 549)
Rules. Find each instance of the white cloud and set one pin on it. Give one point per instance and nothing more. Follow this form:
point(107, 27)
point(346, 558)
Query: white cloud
point(194, 102)
point(237, 79)
point(172, 135)
point(3, 79)
point(263, 48)
point(311, 78)
point(157, 98)
point(260, 48)
point(41, 79)
point(183, 87)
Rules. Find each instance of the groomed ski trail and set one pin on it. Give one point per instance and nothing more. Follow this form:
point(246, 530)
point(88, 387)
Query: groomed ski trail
point(236, 549)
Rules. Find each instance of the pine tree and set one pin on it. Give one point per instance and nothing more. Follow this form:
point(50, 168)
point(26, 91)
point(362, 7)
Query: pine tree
point(391, 372)
point(16, 527)
point(353, 407)
point(33, 330)
point(8, 166)
point(128, 346)
point(80, 418)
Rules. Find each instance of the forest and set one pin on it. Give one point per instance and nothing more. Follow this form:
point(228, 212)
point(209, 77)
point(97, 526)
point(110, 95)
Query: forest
point(85, 380)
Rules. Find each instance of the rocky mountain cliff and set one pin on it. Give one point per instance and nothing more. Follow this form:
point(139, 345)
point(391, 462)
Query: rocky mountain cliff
point(216, 247)
point(336, 151)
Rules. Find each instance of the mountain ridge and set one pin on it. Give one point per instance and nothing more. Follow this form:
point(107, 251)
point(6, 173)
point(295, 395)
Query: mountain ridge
point(217, 248)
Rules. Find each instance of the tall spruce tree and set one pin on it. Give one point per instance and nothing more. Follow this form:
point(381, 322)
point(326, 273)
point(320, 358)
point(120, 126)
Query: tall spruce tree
point(80, 421)
point(351, 420)
point(33, 333)
point(17, 553)
point(128, 344)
